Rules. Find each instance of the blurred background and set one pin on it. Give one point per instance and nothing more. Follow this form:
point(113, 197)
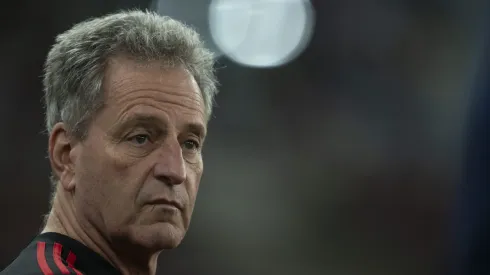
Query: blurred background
point(336, 143)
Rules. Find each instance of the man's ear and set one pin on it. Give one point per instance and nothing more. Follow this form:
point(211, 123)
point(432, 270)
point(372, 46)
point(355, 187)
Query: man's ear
point(61, 155)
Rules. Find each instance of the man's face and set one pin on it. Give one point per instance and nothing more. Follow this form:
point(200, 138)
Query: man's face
point(137, 173)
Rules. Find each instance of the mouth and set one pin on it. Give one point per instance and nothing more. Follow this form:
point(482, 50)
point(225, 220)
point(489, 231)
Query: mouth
point(167, 202)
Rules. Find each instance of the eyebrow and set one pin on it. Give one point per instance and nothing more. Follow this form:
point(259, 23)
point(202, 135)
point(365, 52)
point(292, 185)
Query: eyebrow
point(139, 120)
point(197, 129)
point(152, 122)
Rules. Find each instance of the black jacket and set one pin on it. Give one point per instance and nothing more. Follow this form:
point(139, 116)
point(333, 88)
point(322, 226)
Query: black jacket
point(56, 254)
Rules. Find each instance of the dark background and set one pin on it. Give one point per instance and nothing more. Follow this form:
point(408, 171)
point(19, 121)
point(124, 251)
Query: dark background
point(347, 160)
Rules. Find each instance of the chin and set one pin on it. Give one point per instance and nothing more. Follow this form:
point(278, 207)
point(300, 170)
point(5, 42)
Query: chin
point(158, 236)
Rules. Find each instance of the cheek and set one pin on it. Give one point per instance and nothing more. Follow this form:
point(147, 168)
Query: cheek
point(89, 171)
point(103, 186)
point(90, 194)
point(193, 181)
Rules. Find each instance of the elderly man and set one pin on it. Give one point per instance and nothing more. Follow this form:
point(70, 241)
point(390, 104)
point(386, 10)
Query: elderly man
point(128, 97)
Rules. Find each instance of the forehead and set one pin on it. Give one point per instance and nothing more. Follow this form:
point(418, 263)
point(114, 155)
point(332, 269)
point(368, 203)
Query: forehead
point(133, 86)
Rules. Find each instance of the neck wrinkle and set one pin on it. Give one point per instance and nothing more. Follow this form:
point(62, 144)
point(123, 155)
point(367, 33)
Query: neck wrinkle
point(62, 220)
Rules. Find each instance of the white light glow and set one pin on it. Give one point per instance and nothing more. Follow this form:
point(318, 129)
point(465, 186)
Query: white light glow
point(261, 33)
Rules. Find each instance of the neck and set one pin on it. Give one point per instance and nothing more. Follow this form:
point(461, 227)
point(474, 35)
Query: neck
point(63, 219)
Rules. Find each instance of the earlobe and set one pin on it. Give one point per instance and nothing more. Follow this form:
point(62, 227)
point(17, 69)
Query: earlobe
point(60, 156)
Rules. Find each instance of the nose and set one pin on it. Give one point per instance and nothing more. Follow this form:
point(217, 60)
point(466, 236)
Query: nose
point(170, 165)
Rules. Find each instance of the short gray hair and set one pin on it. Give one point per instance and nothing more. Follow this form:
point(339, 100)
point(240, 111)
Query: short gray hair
point(75, 66)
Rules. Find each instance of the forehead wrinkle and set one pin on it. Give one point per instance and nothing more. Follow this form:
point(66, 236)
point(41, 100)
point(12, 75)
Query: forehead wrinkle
point(123, 91)
point(184, 95)
point(179, 83)
point(128, 85)
point(164, 113)
point(162, 79)
point(160, 104)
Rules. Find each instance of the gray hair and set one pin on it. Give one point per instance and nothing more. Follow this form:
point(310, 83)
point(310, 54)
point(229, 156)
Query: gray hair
point(75, 66)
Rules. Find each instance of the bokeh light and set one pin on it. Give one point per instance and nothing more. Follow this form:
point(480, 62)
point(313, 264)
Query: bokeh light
point(261, 33)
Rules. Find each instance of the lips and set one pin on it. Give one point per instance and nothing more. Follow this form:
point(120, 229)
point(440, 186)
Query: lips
point(168, 202)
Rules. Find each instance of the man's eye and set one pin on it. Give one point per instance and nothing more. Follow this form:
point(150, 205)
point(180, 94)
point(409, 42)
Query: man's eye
point(191, 145)
point(140, 139)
